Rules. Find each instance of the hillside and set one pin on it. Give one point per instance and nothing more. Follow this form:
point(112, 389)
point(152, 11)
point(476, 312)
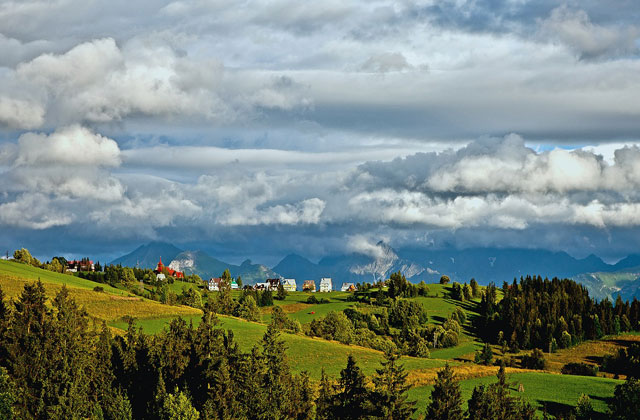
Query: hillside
point(110, 305)
point(313, 354)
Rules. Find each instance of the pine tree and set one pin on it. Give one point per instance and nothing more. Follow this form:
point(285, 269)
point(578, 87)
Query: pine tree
point(352, 400)
point(277, 379)
point(325, 398)
point(479, 406)
point(7, 396)
point(446, 398)
point(391, 390)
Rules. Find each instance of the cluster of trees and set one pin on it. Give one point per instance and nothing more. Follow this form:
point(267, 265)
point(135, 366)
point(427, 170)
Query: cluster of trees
point(537, 313)
point(247, 306)
point(401, 326)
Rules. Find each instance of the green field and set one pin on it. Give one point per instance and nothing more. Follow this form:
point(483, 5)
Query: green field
point(558, 393)
point(305, 353)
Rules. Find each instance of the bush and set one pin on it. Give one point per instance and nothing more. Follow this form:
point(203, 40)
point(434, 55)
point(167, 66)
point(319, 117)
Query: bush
point(580, 369)
point(312, 300)
point(449, 339)
point(534, 361)
point(98, 289)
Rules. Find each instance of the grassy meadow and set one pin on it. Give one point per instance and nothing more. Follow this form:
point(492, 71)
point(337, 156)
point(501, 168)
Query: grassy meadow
point(543, 389)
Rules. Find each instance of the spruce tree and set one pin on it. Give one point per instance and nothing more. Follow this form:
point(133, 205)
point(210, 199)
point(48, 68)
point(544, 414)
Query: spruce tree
point(352, 400)
point(325, 398)
point(391, 390)
point(446, 398)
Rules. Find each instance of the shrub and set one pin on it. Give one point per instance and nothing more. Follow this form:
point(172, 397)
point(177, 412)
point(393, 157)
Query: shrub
point(98, 289)
point(580, 369)
point(449, 339)
point(312, 300)
point(534, 361)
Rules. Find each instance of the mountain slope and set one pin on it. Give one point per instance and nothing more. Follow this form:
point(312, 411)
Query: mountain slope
point(202, 264)
point(146, 256)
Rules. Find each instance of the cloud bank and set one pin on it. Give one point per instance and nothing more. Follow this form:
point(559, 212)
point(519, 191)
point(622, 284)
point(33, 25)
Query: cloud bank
point(273, 127)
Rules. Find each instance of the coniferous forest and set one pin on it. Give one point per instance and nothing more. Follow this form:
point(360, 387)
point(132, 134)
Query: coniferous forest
point(537, 313)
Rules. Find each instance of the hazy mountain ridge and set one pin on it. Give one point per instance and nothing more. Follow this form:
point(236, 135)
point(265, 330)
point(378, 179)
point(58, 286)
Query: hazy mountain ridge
point(483, 264)
point(147, 256)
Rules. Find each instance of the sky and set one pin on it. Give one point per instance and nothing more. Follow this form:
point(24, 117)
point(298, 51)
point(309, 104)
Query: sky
point(253, 129)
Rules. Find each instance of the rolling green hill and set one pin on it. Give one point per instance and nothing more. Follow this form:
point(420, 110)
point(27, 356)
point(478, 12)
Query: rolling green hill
point(542, 389)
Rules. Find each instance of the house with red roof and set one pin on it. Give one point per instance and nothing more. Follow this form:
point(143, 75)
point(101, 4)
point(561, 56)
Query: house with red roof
point(162, 269)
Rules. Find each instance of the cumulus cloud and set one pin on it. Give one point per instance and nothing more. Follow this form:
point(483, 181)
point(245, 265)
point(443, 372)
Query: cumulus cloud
point(73, 145)
point(33, 211)
point(18, 113)
point(500, 183)
point(362, 244)
point(99, 81)
point(589, 40)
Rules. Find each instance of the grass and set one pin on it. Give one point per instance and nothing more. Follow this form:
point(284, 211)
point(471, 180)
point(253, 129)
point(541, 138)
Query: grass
point(110, 305)
point(305, 353)
point(558, 393)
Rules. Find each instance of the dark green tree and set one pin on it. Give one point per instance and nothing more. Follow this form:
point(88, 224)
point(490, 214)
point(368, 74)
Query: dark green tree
point(281, 294)
point(484, 356)
point(625, 404)
point(446, 398)
point(352, 400)
point(390, 392)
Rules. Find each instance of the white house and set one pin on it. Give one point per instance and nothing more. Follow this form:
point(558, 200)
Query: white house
point(289, 285)
point(161, 276)
point(214, 284)
point(325, 284)
point(348, 287)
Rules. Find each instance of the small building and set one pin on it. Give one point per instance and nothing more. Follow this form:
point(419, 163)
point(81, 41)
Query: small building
point(309, 286)
point(273, 284)
point(214, 284)
point(234, 284)
point(326, 285)
point(161, 268)
point(348, 287)
point(262, 286)
point(84, 264)
point(161, 276)
point(289, 285)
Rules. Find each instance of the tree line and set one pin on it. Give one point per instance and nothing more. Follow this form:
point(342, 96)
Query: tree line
point(550, 314)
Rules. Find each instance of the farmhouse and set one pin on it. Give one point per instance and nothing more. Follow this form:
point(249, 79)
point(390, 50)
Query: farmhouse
point(348, 287)
point(214, 284)
point(289, 285)
point(309, 286)
point(161, 268)
point(325, 284)
point(84, 264)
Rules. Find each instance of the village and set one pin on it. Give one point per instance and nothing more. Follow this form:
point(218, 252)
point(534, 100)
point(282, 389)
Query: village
point(289, 285)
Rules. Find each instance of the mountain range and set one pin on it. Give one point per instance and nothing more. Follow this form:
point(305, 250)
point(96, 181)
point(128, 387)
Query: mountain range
point(483, 264)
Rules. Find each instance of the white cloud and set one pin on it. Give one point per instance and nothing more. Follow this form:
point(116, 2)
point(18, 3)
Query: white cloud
point(18, 113)
point(33, 211)
point(73, 145)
